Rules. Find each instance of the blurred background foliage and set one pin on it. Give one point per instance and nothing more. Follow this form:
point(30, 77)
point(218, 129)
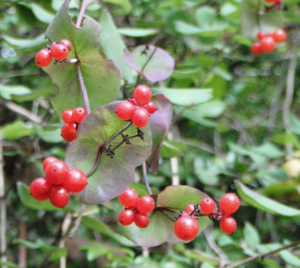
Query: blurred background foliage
point(246, 127)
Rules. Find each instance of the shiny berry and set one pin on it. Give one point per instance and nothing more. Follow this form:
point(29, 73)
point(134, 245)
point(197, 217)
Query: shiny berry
point(59, 52)
point(126, 217)
point(279, 36)
point(140, 117)
point(141, 220)
point(47, 161)
point(260, 35)
point(43, 58)
point(267, 44)
point(256, 49)
point(229, 203)
point(145, 204)
point(133, 101)
point(207, 205)
point(228, 225)
point(67, 116)
point(40, 189)
point(66, 43)
point(69, 132)
point(186, 228)
point(59, 196)
point(57, 172)
point(76, 181)
point(142, 94)
point(151, 107)
point(78, 114)
point(128, 198)
point(125, 110)
point(190, 208)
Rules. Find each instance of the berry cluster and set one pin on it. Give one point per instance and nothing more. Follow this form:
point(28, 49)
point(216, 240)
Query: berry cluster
point(267, 42)
point(138, 108)
point(274, 1)
point(59, 51)
point(72, 118)
point(60, 181)
point(136, 208)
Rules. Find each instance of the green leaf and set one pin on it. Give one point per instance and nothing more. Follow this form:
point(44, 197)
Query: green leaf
point(16, 130)
point(251, 235)
point(175, 197)
point(212, 109)
point(29, 244)
point(137, 32)
point(205, 17)
point(113, 175)
point(263, 203)
point(258, 159)
point(295, 124)
point(284, 138)
point(41, 14)
point(290, 258)
point(52, 136)
point(7, 91)
point(186, 28)
point(25, 43)
point(9, 264)
point(124, 3)
point(268, 149)
point(208, 176)
point(168, 150)
point(101, 77)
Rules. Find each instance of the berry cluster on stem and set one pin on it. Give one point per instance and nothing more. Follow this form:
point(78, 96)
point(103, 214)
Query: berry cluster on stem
point(58, 183)
point(72, 118)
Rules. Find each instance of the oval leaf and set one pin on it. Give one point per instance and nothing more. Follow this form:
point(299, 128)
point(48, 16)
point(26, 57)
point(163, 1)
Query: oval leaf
point(113, 175)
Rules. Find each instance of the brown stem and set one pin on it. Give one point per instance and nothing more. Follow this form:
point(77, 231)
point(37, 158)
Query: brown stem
point(167, 215)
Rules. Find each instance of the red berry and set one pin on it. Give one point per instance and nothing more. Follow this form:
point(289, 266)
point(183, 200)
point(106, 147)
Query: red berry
point(207, 205)
point(270, 1)
point(59, 52)
point(277, 1)
point(43, 58)
point(66, 43)
point(57, 172)
point(142, 94)
point(76, 181)
point(40, 189)
point(69, 132)
point(190, 208)
point(126, 217)
point(47, 161)
point(256, 49)
point(145, 204)
point(67, 116)
point(133, 101)
point(151, 107)
point(59, 196)
point(140, 117)
point(260, 35)
point(279, 36)
point(228, 225)
point(141, 220)
point(78, 115)
point(186, 228)
point(267, 44)
point(125, 110)
point(229, 203)
point(128, 198)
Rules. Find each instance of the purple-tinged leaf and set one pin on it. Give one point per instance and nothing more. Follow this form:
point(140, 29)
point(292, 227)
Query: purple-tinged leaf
point(160, 64)
point(113, 175)
point(102, 78)
point(161, 228)
point(159, 123)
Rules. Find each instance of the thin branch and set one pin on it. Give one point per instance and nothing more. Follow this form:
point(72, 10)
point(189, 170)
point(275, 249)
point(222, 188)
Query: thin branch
point(81, 13)
point(77, 222)
point(167, 215)
point(117, 134)
point(146, 179)
point(64, 231)
point(83, 89)
point(265, 255)
point(96, 163)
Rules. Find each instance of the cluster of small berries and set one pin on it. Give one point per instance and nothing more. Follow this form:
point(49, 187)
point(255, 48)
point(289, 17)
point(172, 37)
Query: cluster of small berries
point(138, 108)
point(267, 42)
point(72, 118)
point(59, 182)
point(59, 51)
point(186, 226)
point(274, 1)
point(136, 209)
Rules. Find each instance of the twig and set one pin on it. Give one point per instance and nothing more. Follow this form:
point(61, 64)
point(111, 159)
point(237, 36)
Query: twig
point(167, 215)
point(64, 231)
point(146, 178)
point(81, 13)
point(77, 222)
point(265, 255)
point(83, 89)
point(117, 134)
point(174, 165)
point(22, 249)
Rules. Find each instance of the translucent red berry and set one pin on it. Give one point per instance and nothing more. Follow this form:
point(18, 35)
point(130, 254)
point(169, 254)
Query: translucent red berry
point(186, 228)
point(190, 208)
point(207, 205)
point(43, 58)
point(128, 198)
point(267, 44)
point(133, 101)
point(126, 217)
point(59, 52)
point(140, 117)
point(256, 49)
point(228, 225)
point(125, 110)
point(59, 196)
point(229, 203)
point(142, 94)
point(151, 107)
point(279, 36)
point(47, 161)
point(145, 204)
point(40, 189)
point(57, 172)
point(67, 116)
point(78, 114)
point(69, 132)
point(141, 220)
point(260, 35)
point(76, 181)
point(66, 43)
